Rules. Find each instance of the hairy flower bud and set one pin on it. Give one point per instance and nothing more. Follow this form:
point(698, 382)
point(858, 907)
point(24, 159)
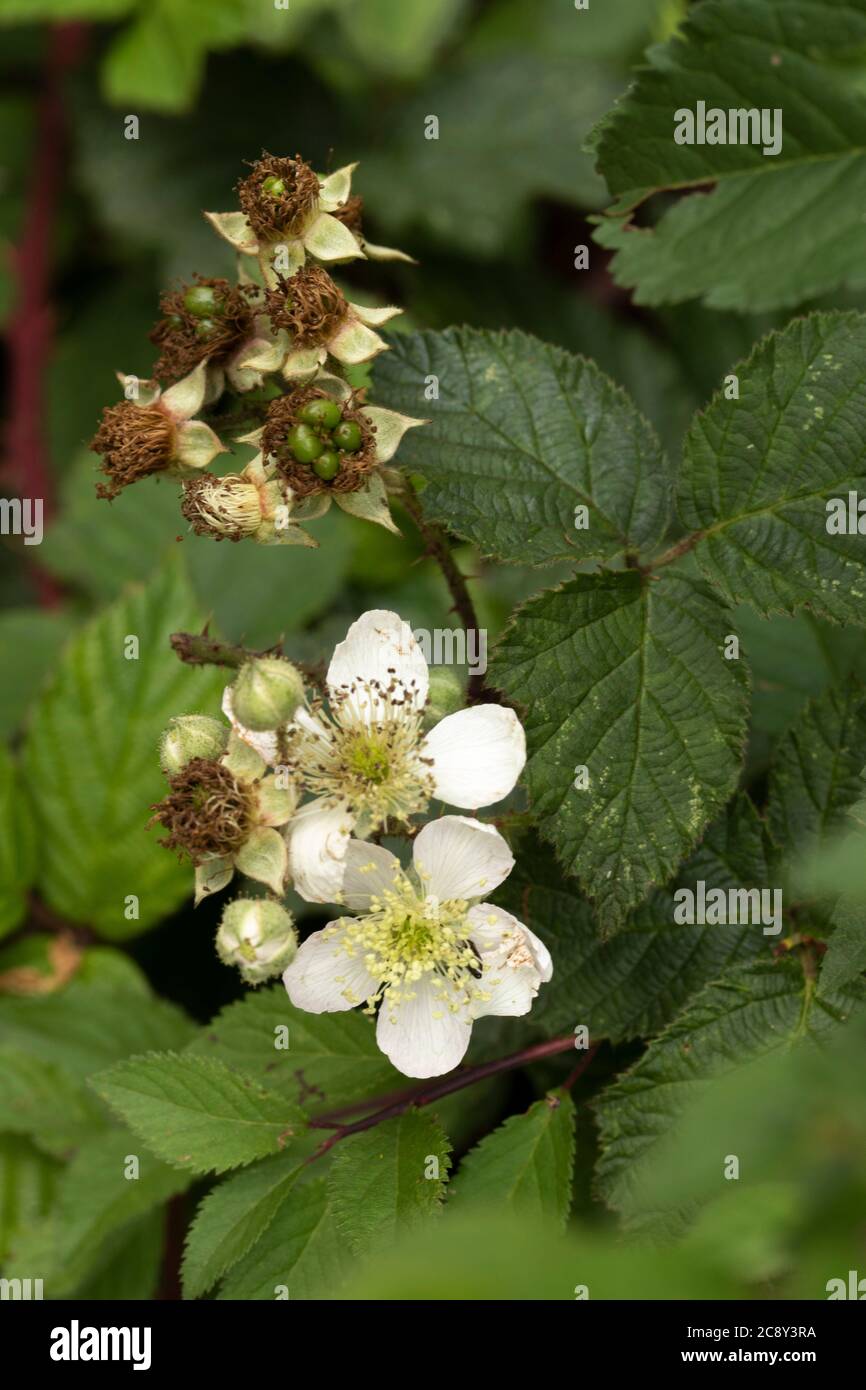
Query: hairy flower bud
point(266, 693)
point(258, 936)
point(191, 736)
point(446, 695)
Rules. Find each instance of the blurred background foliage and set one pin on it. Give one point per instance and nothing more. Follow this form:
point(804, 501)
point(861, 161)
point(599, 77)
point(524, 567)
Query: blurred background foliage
point(493, 212)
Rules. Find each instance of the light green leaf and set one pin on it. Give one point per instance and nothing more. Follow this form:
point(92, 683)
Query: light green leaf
point(45, 1103)
point(91, 765)
point(525, 1165)
point(231, 1219)
point(31, 640)
point(625, 677)
point(817, 770)
point(631, 985)
point(97, 1019)
point(157, 63)
point(17, 845)
point(520, 436)
point(301, 1255)
point(330, 1058)
point(753, 1010)
point(397, 39)
point(197, 1114)
point(28, 1180)
point(758, 471)
point(388, 1179)
point(800, 58)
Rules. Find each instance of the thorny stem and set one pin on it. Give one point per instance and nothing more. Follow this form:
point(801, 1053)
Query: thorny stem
point(426, 1095)
point(682, 547)
point(200, 649)
point(438, 548)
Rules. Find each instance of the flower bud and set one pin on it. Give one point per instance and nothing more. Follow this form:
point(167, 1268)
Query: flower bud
point(446, 695)
point(266, 693)
point(258, 936)
point(191, 736)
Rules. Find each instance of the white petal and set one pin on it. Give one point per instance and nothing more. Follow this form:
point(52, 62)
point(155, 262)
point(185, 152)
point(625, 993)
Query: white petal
point(513, 961)
point(265, 744)
point(422, 1036)
point(317, 851)
point(378, 648)
point(478, 755)
point(456, 857)
point(370, 871)
point(323, 979)
point(389, 426)
point(329, 240)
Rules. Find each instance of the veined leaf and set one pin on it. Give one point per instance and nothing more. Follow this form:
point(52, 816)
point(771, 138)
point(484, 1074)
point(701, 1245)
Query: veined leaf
point(231, 1219)
point(752, 1010)
point(302, 1254)
point(197, 1114)
point(780, 56)
point(521, 436)
point(526, 1164)
point(846, 952)
point(632, 984)
point(625, 678)
point(388, 1179)
point(91, 763)
point(817, 769)
point(758, 472)
point(329, 1058)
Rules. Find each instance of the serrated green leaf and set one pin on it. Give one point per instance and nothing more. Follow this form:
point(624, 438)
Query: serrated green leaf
point(91, 767)
point(723, 245)
point(845, 957)
point(197, 1114)
point(301, 1255)
point(231, 1219)
point(817, 770)
point(388, 1179)
point(96, 1198)
point(631, 985)
point(17, 845)
point(28, 1180)
point(525, 1165)
point(751, 1011)
point(91, 1023)
point(157, 63)
point(520, 436)
point(757, 472)
point(43, 1102)
point(330, 1058)
point(626, 678)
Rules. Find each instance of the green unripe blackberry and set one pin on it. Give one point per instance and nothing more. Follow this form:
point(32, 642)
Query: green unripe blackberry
point(201, 301)
point(305, 444)
point(322, 413)
point(347, 437)
point(327, 466)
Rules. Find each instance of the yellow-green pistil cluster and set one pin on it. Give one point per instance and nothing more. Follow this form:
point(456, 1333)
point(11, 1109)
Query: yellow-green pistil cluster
point(405, 938)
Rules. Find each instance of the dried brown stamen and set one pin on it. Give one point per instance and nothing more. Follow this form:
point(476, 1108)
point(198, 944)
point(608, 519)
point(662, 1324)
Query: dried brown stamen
point(185, 339)
point(133, 441)
point(207, 811)
point(355, 467)
point(278, 196)
point(308, 306)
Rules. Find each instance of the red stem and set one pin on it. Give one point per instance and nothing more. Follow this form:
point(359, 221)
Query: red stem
point(426, 1095)
point(31, 328)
